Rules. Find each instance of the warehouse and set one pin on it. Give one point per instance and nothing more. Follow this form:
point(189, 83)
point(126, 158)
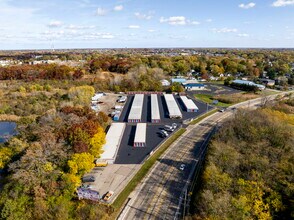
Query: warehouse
point(173, 108)
point(189, 104)
point(136, 110)
point(155, 115)
point(113, 139)
point(140, 136)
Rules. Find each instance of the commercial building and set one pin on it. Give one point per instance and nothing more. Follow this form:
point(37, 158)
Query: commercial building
point(172, 106)
point(249, 83)
point(140, 136)
point(178, 80)
point(193, 86)
point(189, 104)
point(136, 109)
point(113, 139)
point(155, 115)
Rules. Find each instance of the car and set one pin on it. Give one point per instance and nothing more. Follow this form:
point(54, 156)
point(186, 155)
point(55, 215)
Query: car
point(168, 128)
point(174, 125)
point(182, 167)
point(88, 179)
point(163, 133)
point(108, 195)
point(86, 186)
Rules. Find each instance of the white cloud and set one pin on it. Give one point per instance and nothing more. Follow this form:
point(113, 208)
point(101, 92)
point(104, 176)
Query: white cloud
point(80, 27)
point(175, 20)
point(282, 3)
point(55, 24)
point(133, 26)
point(194, 22)
point(209, 20)
point(247, 6)
point(178, 20)
point(243, 35)
point(151, 30)
point(101, 12)
point(225, 30)
point(143, 16)
point(118, 8)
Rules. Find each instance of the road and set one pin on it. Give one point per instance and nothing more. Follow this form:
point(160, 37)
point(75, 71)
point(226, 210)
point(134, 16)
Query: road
point(162, 192)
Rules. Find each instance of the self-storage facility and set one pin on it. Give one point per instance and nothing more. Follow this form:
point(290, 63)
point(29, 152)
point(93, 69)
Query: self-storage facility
point(136, 109)
point(172, 106)
point(189, 104)
point(155, 115)
point(140, 135)
point(113, 139)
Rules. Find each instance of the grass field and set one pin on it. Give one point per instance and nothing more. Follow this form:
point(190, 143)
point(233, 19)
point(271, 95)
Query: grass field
point(231, 99)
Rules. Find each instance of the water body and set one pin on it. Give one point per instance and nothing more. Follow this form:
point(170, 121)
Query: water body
point(7, 130)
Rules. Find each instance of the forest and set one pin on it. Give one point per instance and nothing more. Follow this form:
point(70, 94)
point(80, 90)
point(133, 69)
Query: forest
point(248, 171)
point(42, 166)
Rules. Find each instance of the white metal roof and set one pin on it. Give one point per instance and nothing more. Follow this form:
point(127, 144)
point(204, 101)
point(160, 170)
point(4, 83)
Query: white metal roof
point(155, 115)
point(140, 136)
point(189, 103)
point(172, 106)
point(136, 110)
point(113, 139)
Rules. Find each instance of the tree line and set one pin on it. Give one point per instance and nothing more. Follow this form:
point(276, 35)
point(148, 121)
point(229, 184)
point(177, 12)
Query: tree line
point(248, 172)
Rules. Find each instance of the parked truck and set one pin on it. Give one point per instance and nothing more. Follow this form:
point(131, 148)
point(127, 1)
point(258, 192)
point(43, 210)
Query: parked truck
point(101, 163)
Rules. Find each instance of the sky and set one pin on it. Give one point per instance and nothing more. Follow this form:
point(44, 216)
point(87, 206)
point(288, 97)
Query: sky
point(46, 24)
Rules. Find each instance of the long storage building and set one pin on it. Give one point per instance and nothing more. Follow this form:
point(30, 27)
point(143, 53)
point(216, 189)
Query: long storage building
point(155, 115)
point(113, 140)
point(136, 109)
point(173, 108)
point(189, 104)
point(140, 135)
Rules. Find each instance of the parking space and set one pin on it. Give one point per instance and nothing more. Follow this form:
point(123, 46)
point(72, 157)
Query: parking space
point(214, 89)
point(127, 154)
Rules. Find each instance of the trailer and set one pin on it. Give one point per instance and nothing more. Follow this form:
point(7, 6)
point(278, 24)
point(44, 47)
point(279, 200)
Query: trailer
point(136, 109)
point(189, 104)
point(113, 140)
point(140, 136)
point(155, 115)
point(172, 106)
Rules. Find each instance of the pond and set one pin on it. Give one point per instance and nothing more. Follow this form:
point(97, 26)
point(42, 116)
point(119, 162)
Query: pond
point(7, 130)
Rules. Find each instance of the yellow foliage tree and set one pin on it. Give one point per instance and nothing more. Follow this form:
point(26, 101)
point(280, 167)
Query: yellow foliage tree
point(81, 94)
point(97, 142)
point(81, 163)
point(5, 156)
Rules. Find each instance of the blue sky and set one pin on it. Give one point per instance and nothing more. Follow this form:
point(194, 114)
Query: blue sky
point(39, 24)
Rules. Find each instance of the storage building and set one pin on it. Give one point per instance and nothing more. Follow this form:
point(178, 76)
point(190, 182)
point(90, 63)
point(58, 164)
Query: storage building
point(136, 110)
point(140, 135)
point(172, 106)
point(189, 104)
point(113, 139)
point(155, 115)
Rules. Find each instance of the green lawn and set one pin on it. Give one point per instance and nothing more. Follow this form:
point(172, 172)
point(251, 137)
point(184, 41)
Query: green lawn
point(123, 196)
point(209, 99)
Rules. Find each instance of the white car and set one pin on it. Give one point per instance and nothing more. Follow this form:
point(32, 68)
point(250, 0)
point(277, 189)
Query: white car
point(182, 167)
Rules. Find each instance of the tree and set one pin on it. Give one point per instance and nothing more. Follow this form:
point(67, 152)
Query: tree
point(81, 94)
point(97, 142)
point(81, 163)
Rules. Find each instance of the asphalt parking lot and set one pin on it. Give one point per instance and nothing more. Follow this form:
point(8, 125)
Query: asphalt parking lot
point(146, 112)
point(215, 89)
point(127, 154)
